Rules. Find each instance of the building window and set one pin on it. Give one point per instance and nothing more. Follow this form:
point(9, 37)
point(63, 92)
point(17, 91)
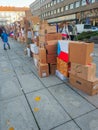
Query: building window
point(66, 7)
point(49, 5)
point(52, 12)
point(83, 2)
point(93, 1)
point(62, 9)
point(77, 4)
point(48, 13)
point(58, 1)
point(54, 2)
point(46, 6)
point(58, 10)
point(55, 11)
point(71, 6)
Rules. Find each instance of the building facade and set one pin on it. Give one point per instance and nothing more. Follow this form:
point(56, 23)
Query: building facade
point(81, 11)
point(9, 15)
point(35, 8)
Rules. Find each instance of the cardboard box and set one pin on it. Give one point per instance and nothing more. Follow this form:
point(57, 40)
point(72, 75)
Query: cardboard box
point(44, 26)
point(63, 67)
point(52, 68)
point(50, 29)
point(42, 32)
point(51, 49)
point(80, 52)
point(42, 55)
point(43, 70)
point(35, 19)
point(87, 72)
point(52, 58)
point(89, 87)
point(36, 60)
point(52, 42)
point(41, 39)
point(54, 36)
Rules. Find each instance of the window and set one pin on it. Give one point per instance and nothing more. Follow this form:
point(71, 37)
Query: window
point(55, 11)
point(48, 13)
point(83, 2)
point(71, 6)
point(62, 9)
point(93, 1)
point(46, 6)
point(58, 10)
point(54, 2)
point(52, 12)
point(49, 5)
point(66, 7)
point(58, 1)
point(77, 4)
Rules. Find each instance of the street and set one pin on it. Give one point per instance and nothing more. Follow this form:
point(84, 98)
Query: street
point(28, 102)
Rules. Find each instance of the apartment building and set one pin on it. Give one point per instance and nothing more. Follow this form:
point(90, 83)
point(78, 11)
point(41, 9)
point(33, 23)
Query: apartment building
point(69, 10)
point(9, 15)
point(35, 8)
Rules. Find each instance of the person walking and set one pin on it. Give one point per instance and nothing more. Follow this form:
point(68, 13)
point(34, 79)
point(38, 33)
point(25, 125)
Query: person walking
point(4, 37)
point(74, 31)
point(66, 30)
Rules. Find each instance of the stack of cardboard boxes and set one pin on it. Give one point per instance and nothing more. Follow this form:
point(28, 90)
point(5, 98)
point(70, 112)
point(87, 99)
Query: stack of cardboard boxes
point(43, 68)
point(63, 59)
point(83, 70)
point(47, 49)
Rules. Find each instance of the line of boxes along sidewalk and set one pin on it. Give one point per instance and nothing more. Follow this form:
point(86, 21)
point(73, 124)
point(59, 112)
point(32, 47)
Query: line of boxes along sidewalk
point(70, 60)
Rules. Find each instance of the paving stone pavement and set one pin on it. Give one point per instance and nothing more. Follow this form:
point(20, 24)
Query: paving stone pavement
point(28, 102)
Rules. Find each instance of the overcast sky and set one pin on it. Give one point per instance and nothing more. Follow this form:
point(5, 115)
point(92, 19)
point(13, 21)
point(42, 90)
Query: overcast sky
point(17, 3)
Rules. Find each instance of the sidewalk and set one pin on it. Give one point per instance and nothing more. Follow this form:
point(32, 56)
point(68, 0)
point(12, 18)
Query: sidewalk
point(28, 102)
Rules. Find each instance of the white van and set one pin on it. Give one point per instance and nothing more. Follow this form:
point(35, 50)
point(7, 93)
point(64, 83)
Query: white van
point(83, 28)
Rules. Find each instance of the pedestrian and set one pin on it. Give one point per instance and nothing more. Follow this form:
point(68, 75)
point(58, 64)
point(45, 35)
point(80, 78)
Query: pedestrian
point(74, 31)
point(66, 30)
point(29, 36)
point(4, 37)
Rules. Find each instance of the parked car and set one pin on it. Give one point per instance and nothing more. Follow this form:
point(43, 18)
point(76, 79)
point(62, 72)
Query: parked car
point(94, 28)
point(83, 28)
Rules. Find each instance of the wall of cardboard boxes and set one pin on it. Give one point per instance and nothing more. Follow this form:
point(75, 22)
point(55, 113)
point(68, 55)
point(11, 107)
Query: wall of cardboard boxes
point(67, 59)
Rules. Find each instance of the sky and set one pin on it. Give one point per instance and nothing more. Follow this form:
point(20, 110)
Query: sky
point(16, 3)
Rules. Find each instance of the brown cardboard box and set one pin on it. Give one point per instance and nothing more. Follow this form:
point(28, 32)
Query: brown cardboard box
point(42, 32)
point(52, 58)
point(43, 70)
point(54, 36)
point(35, 19)
point(51, 49)
point(41, 39)
point(87, 72)
point(44, 26)
point(80, 52)
point(52, 68)
point(50, 29)
point(42, 55)
point(63, 67)
point(52, 42)
point(36, 60)
point(89, 87)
